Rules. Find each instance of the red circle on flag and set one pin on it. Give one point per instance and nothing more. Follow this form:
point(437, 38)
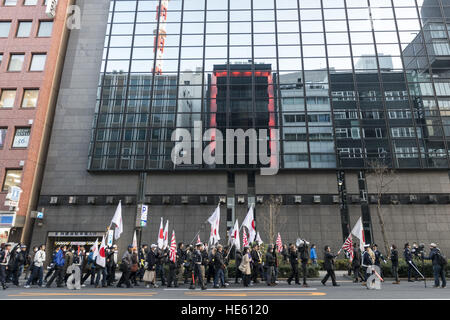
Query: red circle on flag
point(253, 224)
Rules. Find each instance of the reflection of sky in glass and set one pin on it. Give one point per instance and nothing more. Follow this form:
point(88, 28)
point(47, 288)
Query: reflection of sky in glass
point(325, 32)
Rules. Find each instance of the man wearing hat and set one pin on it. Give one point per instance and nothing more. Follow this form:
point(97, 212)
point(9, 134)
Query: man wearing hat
point(197, 261)
point(366, 262)
point(438, 267)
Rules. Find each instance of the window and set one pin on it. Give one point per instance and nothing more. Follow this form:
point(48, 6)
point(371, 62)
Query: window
point(30, 2)
point(30, 97)
point(15, 62)
point(10, 2)
point(2, 137)
point(7, 98)
point(24, 29)
point(4, 28)
point(13, 178)
point(21, 138)
point(45, 28)
point(38, 62)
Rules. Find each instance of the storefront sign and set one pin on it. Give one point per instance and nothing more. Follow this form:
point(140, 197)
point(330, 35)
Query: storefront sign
point(21, 138)
point(13, 197)
point(75, 234)
point(144, 212)
point(110, 238)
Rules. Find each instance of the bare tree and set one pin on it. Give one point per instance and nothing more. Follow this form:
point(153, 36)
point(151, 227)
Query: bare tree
point(383, 178)
point(271, 218)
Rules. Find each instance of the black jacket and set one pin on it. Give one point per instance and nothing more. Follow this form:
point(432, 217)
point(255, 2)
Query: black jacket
point(293, 257)
point(328, 262)
point(218, 260)
point(378, 257)
point(151, 260)
point(434, 256)
point(304, 255)
point(356, 262)
point(408, 255)
point(394, 257)
point(204, 257)
point(256, 257)
point(270, 259)
point(238, 258)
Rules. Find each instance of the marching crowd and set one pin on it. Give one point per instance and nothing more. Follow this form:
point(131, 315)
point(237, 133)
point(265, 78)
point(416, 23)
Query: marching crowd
point(198, 265)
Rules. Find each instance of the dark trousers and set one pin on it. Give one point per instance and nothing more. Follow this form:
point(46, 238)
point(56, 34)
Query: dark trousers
point(211, 273)
point(37, 272)
point(100, 272)
point(238, 274)
point(394, 270)
point(330, 273)
point(270, 275)
point(198, 277)
point(246, 279)
point(90, 273)
point(160, 273)
point(49, 273)
point(3, 275)
point(125, 278)
point(305, 272)
point(219, 276)
point(59, 274)
point(439, 272)
point(357, 273)
point(257, 269)
point(172, 277)
point(294, 273)
point(365, 274)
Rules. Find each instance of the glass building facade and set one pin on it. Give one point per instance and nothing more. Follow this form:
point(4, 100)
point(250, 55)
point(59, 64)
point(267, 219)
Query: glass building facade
point(344, 81)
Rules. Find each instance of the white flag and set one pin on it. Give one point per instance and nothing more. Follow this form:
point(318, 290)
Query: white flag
point(358, 231)
point(161, 235)
point(117, 220)
point(235, 236)
point(95, 249)
point(258, 239)
point(101, 256)
point(249, 222)
point(166, 235)
point(214, 220)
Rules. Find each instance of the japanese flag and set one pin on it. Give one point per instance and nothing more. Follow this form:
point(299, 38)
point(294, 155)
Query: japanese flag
point(101, 257)
point(161, 235)
point(249, 222)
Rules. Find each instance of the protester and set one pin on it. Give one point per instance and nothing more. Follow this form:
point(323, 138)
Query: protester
point(172, 277)
point(90, 268)
point(293, 259)
point(245, 267)
point(439, 263)
point(238, 272)
point(285, 253)
point(125, 267)
point(270, 262)
point(328, 265)
point(68, 261)
point(59, 262)
point(219, 266)
point(30, 264)
point(211, 263)
point(257, 264)
point(5, 255)
point(304, 257)
point(181, 252)
point(394, 263)
point(161, 258)
point(100, 272)
point(150, 276)
point(356, 264)
point(134, 267)
point(38, 267)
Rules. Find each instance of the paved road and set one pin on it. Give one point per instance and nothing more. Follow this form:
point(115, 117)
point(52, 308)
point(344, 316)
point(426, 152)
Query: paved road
point(347, 290)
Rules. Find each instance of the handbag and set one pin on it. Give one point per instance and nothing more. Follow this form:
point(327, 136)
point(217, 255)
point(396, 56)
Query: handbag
point(241, 268)
point(134, 267)
point(149, 276)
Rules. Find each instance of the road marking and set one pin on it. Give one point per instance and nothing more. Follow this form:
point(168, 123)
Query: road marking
point(43, 294)
point(248, 289)
point(254, 294)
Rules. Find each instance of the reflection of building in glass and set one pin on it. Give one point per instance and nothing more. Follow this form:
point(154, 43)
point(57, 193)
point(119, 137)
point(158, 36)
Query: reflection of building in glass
point(370, 63)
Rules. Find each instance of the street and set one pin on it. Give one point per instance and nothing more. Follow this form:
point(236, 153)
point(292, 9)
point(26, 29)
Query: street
point(347, 290)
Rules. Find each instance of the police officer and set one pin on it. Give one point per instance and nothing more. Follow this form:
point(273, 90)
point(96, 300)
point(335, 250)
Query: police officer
point(407, 254)
point(378, 258)
point(293, 259)
point(366, 262)
point(197, 262)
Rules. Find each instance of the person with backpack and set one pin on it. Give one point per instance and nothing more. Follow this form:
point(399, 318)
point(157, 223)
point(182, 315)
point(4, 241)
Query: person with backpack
point(439, 263)
point(90, 268)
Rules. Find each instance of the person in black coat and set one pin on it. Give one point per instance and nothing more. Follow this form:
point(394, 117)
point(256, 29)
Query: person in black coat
point(161, 259)
point(407, 254)
point(438, 269)
point(304, 257)
point(394, 263)
point(5, 254)
point(238, 259)
point(270, 263)
point(356, 263)
point(172, 277)
point(257, 264)
point(293, 259)
point(219, 266)
point(328, 265)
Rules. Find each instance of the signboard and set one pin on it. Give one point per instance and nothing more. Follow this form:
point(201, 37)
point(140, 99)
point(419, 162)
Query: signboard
point(50, 11)
point(21, 138)
point(40, 215)
point(144, 212)
point(13, 197)
point(109, 243)
point(73, 234)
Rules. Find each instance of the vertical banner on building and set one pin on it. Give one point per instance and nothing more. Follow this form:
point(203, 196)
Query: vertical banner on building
point(160, 35)
point(144, 213)
point(110, 238)
point(50, 11)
